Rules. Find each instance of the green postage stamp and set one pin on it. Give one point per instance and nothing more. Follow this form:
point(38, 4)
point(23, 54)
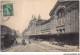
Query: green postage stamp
point(8, 9)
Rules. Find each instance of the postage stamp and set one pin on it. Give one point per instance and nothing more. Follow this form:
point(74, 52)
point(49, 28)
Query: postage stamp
point(8, 9)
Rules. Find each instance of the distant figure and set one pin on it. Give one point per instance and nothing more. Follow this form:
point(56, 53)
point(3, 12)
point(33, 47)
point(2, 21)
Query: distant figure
point(29, 42)
point(23, 42)
point(16, 42)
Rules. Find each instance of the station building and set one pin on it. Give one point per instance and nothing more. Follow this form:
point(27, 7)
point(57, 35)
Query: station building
point(64, 18)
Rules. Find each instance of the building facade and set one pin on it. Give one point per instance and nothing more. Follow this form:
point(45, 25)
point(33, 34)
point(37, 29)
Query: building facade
point(66, 14)
point(8, 36)
point(64, 18)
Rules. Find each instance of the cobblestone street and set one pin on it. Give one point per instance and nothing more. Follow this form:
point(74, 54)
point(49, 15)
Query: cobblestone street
point(43, 46)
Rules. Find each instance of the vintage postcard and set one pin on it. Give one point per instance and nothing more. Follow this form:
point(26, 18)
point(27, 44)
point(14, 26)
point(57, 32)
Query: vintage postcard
point(39, 25)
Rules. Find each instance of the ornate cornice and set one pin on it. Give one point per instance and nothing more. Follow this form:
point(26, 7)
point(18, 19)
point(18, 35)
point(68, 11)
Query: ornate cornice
point(72, 5)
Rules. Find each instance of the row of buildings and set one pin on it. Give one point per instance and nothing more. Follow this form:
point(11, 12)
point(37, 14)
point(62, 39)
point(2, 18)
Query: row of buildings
point(64, 18)
point(8, 36)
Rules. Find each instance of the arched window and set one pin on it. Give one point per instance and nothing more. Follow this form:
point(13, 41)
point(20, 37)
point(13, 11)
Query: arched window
point(61, 13)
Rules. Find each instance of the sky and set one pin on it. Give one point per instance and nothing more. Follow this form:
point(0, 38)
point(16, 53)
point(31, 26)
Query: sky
point(23, 11)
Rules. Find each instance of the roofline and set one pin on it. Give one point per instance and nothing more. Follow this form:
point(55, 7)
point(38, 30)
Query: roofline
point(52, 11)
point(54, 7)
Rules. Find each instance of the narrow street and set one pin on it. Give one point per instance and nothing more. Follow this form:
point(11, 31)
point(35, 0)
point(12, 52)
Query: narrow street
point(44, 46)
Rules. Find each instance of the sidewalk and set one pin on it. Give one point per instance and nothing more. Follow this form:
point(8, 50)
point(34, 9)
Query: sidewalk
point(67, 48)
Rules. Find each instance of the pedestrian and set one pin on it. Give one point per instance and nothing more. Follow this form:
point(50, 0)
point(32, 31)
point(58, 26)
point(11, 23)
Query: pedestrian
point(29, 42)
